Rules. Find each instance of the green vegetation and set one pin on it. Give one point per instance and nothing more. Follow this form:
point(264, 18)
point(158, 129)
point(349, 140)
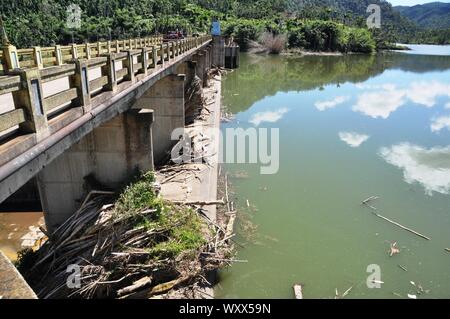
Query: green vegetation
point(181, 225)
point(328, 25)
point(434, 15)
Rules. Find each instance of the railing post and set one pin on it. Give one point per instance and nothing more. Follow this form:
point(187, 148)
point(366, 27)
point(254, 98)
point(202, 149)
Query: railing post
point(74, 51)
point(169, 53)
point(154, 56)
point(162, 53)
point(99, 48)
point(58, 55)
point(37, 55)
point(128, 63)
point(80, 81)
point(117, 46)
point(109, 46)
point(144, 60)
point(109, 70)
point(11, 57)
point(31, 98)
point(88, 51)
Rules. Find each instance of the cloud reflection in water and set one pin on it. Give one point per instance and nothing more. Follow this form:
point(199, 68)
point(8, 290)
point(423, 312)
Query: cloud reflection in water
point(429, 167)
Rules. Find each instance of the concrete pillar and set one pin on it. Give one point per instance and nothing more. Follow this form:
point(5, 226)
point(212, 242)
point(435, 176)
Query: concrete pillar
point(200, 60)
point(166, 99)
point(218, 51)
point(111, 153)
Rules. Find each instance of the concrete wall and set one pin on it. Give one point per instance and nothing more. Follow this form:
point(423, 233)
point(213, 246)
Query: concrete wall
point(111, 154)
point(166, 100)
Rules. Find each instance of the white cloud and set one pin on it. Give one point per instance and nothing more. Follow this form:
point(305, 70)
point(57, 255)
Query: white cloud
point(425, 93)
point(429, 167)
point(324, 105)
point(440, 123)
point(380, 104)
point(270, 116)
point(447, 106)
point(353, 139)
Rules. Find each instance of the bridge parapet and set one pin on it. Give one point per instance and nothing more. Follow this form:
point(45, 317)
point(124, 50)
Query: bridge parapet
point(118, 63)
point(12, 58)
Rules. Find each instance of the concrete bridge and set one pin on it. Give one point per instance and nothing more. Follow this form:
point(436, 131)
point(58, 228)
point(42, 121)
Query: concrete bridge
point(104, 110)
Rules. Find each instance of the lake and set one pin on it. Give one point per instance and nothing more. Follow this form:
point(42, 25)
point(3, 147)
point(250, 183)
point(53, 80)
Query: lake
point(351, 127)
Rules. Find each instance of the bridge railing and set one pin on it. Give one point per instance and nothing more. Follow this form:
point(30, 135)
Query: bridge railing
point(50, 56)
point(51, 81)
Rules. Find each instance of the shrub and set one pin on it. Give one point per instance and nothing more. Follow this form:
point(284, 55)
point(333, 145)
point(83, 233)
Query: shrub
point(273, 44)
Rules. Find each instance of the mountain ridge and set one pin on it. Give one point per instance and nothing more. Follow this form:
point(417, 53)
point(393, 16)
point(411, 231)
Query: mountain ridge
point(433, 15)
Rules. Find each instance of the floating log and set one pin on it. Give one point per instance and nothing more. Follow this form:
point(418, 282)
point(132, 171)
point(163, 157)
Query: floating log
point(401, 226)
point(447, 250)
point(201, 203)
point(403, 268)
point(298, 291)
point(368, 200)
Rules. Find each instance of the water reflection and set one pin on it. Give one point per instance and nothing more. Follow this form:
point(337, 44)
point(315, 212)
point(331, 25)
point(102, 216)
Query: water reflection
point(268, 117)
point(388, 98)
point(429, 167)
point(331, 104)
point(260, 77)
point(440, 123)
point(353, 139)
point(380, 104)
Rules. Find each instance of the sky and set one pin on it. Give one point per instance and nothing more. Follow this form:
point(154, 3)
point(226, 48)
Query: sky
point(413, 2)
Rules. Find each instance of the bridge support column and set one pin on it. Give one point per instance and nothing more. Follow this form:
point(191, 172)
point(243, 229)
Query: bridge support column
point(104, 159)
point(166, 99)
point(200, 67)
point(218, 51)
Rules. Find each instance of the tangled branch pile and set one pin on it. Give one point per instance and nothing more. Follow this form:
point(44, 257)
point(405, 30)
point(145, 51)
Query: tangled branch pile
point(138, 247)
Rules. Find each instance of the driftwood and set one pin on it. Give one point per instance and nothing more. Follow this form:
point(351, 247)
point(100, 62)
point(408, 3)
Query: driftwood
point(403, 268)
point(401, 226)
point(97, 240)
point(139, 284)
point(201, 203)
point(447, 250)
point(298, 291)
point(368, 200)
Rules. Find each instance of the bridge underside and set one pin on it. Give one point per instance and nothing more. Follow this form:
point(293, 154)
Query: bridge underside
point(125, 131)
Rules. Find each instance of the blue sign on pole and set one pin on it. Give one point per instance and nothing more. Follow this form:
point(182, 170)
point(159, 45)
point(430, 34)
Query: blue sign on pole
point(215, 29)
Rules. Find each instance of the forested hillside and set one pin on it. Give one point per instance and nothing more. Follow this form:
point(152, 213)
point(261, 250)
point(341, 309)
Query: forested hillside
point(434, 15)
point(321, 25)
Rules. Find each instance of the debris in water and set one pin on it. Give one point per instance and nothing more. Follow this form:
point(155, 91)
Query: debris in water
point(403, 268)
point(394, 250)
point(298, 291)
point(401, 226)
point(412, 296)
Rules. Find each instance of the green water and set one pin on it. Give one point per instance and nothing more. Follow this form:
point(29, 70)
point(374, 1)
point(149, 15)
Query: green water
point(350, 127)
